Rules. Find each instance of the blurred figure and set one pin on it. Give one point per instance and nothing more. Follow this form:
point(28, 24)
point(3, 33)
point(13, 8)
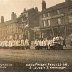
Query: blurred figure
point(36, 43)
point(40, 44)
point(27, 44)
point(64, 43)
point(54, 39)
point(22, 44)
point(46, 43)
point(71, 42)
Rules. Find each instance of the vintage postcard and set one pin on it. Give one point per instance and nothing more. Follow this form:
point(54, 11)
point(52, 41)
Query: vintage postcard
point(35, 35)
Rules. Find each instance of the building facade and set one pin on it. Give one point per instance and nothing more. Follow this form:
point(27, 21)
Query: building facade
point(30, 19)
point(11, 30)
point(32, 24)
point(56, 20)
point(21, 27)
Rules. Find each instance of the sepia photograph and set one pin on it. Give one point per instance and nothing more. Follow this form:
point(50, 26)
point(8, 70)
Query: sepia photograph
point(35, 35)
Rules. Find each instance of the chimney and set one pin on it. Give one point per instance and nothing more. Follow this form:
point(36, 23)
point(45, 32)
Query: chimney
point(43, 5)
point(13, 16)
point(2, 19)
point(24, 9)
point(36, 9)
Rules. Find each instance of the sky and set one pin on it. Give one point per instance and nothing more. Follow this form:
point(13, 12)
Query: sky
point(17, 6)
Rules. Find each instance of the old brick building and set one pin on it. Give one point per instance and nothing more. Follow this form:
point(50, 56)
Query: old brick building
point(56, 20)
point(32, 24)
point(10, 30)
point(21, 27)
point(30, 19)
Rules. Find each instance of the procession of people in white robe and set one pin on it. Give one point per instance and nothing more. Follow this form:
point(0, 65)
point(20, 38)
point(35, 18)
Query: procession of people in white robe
point(38, 43)
point(15, 43)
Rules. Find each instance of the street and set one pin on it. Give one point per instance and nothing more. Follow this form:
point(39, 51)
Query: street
point(19, 58)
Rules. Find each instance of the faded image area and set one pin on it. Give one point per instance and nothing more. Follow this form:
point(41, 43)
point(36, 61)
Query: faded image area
point(37, 37)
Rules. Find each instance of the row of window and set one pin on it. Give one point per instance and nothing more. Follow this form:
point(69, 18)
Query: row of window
point(48, 14)
point(48, 22)
point(15, 37)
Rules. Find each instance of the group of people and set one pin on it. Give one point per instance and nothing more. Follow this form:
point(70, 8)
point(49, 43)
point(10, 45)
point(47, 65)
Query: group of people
point(15, 44)
point(47, 44)
point(38, 43)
